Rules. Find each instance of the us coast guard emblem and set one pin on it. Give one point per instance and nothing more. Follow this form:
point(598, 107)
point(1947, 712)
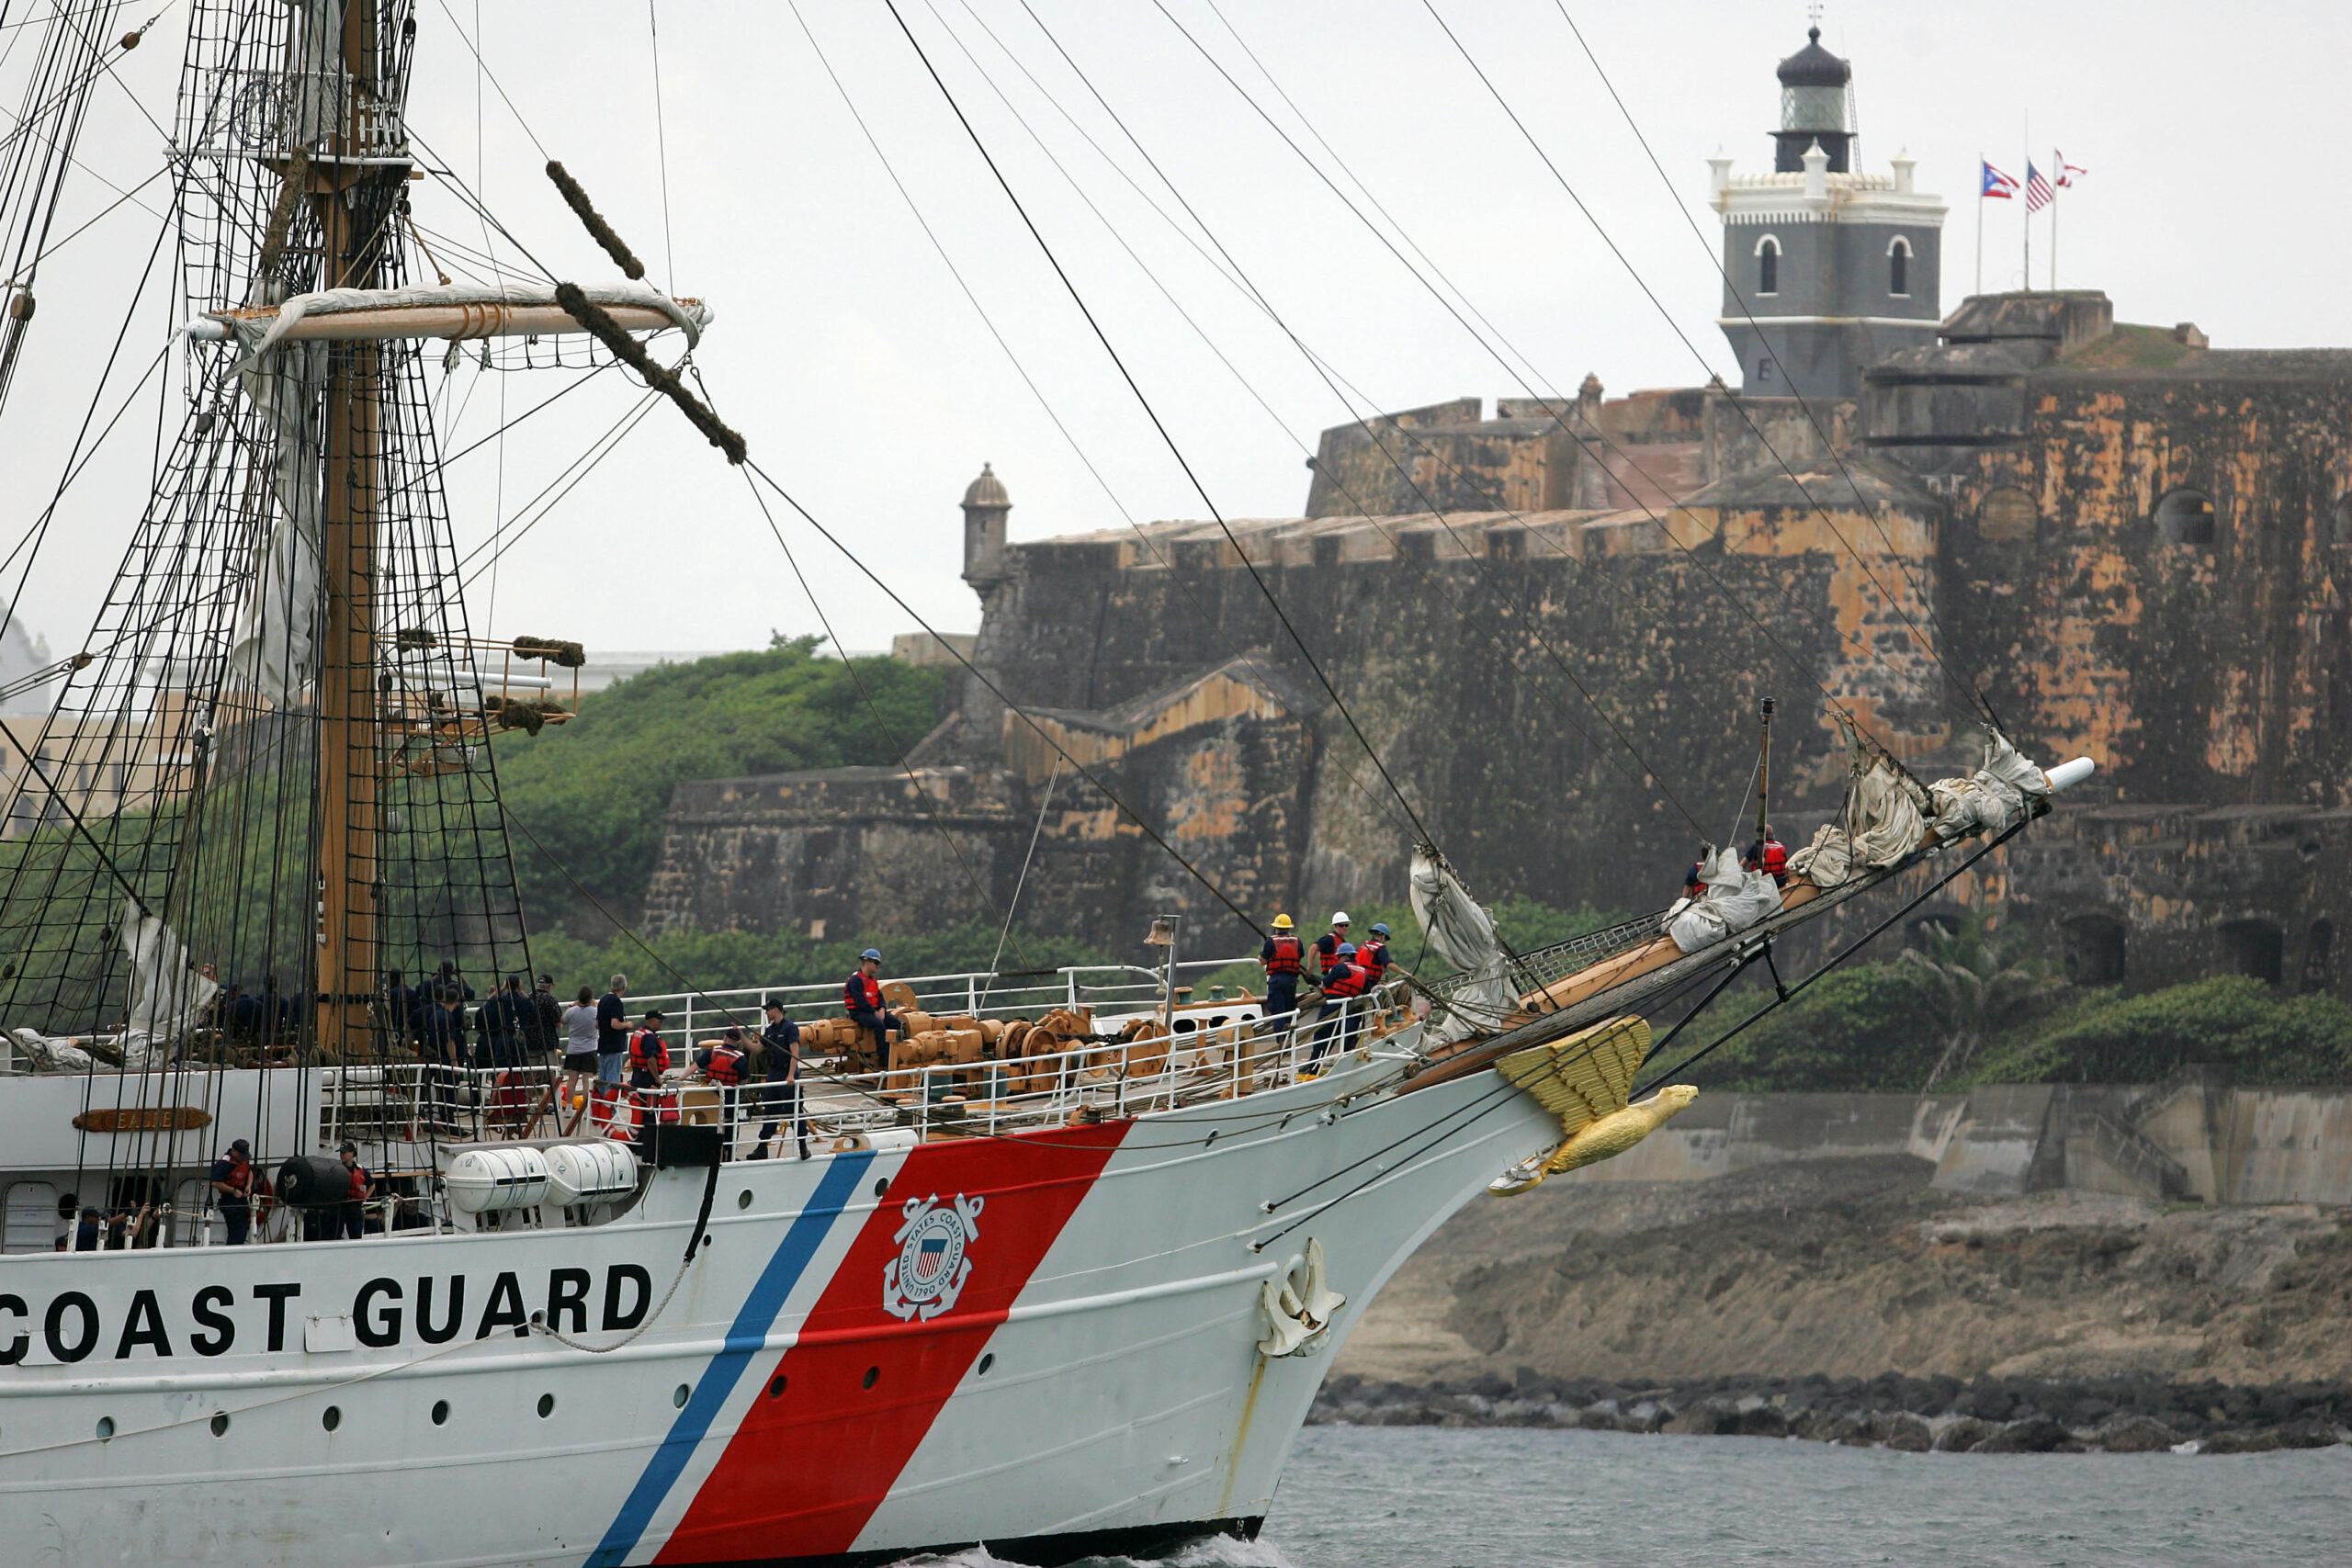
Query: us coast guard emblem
point(928, 1274)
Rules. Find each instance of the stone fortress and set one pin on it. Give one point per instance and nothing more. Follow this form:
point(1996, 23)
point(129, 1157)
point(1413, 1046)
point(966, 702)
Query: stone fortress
point(2137, 545)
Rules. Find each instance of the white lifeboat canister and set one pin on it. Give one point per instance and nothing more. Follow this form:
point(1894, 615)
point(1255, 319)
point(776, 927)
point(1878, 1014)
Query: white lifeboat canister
point(491, 1181)
point(594, 1170)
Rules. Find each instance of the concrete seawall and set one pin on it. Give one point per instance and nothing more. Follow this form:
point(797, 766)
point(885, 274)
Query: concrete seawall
point(2191, 1137)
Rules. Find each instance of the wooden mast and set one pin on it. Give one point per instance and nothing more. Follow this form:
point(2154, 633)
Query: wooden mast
point(349, 774)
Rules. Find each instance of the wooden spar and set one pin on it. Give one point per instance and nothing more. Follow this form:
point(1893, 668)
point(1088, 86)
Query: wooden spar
point(456, 323)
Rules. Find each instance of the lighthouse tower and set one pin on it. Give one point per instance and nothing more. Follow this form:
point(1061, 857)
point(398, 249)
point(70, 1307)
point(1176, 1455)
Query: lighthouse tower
point(1828, 270)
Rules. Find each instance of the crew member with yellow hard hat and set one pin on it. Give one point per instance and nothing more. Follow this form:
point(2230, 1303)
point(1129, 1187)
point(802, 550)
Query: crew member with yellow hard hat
point(1284, 956)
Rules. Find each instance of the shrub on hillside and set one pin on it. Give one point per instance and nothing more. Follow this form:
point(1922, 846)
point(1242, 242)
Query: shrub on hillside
point(2260, 1035)
point(593, 791)
point(1865, 1027)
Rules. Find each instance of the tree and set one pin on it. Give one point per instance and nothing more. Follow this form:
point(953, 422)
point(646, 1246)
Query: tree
point(593, 791)
point(1974, 981)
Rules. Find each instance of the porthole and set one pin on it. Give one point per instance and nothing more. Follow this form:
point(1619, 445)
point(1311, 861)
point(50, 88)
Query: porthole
point(882, 1188)
point(873, 1375)
point(440, 1412)
point(546, 1406)
point(330, 1417)
point(679, 1395)
point(986, 1362)
point(106, 1427)
point(743, 1199)
point(220, 1424)
point(775, 1387)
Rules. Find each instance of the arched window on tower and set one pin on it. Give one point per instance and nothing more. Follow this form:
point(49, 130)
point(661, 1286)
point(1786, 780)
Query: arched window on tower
point(1898, 267)
point(1768, 266)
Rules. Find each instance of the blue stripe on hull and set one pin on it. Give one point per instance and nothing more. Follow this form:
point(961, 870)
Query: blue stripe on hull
point(744, 1339)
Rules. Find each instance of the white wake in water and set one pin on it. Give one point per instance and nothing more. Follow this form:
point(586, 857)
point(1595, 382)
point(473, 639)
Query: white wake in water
point(1216, 1551)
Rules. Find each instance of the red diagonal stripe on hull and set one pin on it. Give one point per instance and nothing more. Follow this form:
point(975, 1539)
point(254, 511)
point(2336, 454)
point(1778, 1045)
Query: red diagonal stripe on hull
point(805, 1471)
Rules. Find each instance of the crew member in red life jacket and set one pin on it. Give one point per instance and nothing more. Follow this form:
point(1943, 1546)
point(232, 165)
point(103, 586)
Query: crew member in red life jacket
point(1372, 955)
point(1328, 945)
point(1770, 855)
point(352, 1215)
point(1284, 956)
point(862, 999)
point(649, 1058)
point(722, 1064)
point(1343, 980)
point(233, 1189)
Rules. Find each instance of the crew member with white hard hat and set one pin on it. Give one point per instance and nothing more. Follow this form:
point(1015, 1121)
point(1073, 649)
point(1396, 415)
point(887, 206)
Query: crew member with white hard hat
point(1328, 945)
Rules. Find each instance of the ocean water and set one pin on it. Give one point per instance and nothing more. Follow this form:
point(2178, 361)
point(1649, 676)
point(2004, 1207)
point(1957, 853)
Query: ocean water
point(1429, 1497)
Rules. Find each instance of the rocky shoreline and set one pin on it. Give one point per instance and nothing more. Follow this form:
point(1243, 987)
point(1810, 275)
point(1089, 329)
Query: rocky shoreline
point(1915, 1415)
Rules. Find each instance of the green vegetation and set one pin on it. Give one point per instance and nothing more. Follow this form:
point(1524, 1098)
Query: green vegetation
point(1874, 1027)
point(592, 790)
point(719, 961)
point(2242, 1024)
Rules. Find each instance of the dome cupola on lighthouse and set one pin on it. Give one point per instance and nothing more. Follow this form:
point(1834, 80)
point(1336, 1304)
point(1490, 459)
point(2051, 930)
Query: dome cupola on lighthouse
point(1813, 88)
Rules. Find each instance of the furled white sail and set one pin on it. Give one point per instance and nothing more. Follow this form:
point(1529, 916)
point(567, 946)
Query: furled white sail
point(1461, 930)
point(450, 310)
point(1734, 900)
point(166, 995)
point(272, 640)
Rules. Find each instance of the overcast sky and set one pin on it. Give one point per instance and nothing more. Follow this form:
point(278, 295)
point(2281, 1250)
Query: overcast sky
point(871, 387)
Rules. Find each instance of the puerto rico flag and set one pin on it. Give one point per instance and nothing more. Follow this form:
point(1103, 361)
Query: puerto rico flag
point(2038, 194)
point(1997, 186)
point(2067, 173)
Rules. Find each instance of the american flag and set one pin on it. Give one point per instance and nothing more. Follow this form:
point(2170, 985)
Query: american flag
point(2067, 173)
point(2038, 194)
point(1997, 186)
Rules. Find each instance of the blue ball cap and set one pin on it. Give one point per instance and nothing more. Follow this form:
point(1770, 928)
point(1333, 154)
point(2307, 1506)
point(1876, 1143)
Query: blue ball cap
point(873, 952)
point(1380, 930)
point(1347, 950)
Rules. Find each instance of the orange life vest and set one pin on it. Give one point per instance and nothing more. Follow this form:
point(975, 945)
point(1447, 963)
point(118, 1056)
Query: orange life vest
point(726, 1064)
point(862, 993)
point(1372, 956)
point(647, 1054)
point(1345, 979)
point(1289, 956)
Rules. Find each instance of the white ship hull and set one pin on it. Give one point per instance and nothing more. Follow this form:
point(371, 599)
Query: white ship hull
point(1089, 1377)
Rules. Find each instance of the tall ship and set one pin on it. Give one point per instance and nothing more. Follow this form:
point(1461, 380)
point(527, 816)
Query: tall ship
point(1053, 1264)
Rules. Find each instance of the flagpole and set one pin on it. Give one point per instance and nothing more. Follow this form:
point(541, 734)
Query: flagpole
point(1980, 223)
point(2028, 226)
point(2053, 231)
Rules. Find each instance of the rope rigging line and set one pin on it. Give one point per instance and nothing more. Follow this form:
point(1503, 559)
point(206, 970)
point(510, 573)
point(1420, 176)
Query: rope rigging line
point(1651, 779)
point(1152, 413)
point(1228, 269)
point(1011, 706)
point(1178, 579)
point(1551, 401)
point(1739, 299)
point(904, 753)
point(1789, 994)
point(1926, 645)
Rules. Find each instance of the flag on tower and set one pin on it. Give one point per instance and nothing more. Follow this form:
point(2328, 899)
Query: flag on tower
point(2038, 194)
point(2067, 173)
point(1997, 186)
